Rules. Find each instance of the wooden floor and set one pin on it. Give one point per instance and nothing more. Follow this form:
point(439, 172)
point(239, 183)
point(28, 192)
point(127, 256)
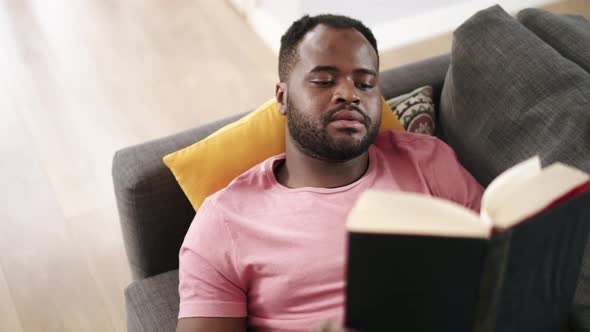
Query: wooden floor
point(81, 79)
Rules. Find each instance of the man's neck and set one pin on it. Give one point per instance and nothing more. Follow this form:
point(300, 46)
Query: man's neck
point(300, 170)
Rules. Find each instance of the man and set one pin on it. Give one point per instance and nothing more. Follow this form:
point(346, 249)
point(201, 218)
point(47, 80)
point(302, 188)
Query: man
point(268, 252)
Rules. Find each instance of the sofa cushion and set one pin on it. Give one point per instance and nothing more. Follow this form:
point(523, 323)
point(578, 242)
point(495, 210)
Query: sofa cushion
point(567, 34)
point(508, 96)
point(152, 303)
point(212, 163)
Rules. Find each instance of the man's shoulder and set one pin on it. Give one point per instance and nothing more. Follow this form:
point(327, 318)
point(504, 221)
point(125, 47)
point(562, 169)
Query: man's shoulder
point(393, 139)
point(252, 182)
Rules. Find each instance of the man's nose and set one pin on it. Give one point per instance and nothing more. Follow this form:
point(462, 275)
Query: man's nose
point(346, 93)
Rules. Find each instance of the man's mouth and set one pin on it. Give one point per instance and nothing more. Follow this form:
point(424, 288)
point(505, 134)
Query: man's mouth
point(348, 115)
point(347, 119)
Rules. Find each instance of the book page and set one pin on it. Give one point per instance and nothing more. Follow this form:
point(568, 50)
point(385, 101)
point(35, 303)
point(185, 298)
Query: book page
point(502, 187)
point(413, 214)
point(535, 193)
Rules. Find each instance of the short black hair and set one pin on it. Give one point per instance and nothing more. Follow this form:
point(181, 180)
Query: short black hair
point(290, 40)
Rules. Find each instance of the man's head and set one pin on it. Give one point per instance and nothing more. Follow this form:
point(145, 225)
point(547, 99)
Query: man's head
point(328, 68)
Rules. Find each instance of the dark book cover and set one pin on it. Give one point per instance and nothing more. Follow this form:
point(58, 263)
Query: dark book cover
point(542, 268)
point(413, 283)
point(522, 279)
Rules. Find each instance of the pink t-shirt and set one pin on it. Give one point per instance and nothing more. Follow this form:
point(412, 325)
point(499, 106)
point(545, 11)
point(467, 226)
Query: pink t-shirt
point(276, 255)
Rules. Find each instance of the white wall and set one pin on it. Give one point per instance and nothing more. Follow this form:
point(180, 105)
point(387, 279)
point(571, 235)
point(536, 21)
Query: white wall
point(373, 12)
point(395, 23)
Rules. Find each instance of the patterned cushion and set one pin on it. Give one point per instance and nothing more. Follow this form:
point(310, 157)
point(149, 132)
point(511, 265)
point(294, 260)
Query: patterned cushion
point(415, 110)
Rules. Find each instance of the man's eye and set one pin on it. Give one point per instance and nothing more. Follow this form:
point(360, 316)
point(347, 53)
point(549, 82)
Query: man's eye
point(323, 83)
point(364, 86)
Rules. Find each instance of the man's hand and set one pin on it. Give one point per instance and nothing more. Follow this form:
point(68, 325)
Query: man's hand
point(330, 326)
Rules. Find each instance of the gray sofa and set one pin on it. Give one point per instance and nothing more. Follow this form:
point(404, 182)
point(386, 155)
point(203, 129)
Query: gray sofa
point(155, 214)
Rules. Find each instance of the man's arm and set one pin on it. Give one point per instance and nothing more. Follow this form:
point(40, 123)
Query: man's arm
point(212, 295)
point(211, 324)
point(450, 180)
point(215, 324)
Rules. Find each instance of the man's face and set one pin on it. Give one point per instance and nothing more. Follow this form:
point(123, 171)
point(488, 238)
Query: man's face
point(333, 103)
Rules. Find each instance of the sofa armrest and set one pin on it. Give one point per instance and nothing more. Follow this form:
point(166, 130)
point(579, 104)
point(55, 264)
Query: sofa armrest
point(152, 303)
point(153, 211)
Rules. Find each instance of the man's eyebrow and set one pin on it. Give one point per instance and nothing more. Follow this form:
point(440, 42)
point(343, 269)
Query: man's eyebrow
point(365, 71)
point(323, 68)
point(335, 69)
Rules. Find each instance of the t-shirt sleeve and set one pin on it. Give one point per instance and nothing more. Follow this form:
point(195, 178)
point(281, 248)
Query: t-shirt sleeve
point(451, 181)
point(209, 283)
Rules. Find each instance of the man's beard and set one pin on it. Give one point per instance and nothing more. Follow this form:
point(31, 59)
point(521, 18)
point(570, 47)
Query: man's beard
point(314, 140)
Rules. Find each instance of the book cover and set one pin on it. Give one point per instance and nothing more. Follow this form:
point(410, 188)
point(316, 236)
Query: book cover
point(408, 275)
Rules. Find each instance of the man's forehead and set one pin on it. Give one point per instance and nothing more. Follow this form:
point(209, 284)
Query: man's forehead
point(325, 45)
point(321, 32)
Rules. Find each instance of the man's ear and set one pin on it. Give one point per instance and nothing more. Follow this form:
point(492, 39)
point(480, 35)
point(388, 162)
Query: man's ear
point(281, 96)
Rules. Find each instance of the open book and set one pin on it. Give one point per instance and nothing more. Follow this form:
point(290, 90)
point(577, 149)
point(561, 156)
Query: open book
point(419, 263)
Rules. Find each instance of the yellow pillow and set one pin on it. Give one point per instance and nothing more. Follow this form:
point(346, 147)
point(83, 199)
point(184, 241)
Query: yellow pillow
point(212, 163)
